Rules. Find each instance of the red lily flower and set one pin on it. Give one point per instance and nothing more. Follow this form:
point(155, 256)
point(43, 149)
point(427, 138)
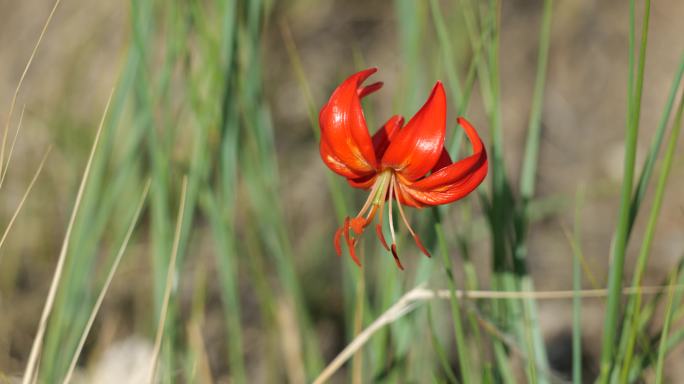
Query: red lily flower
point(407, 163)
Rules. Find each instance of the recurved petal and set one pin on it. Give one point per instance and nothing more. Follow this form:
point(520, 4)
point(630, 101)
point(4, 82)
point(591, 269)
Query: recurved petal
point(415, 149)
point(346, 145)
point(447, 193)
point(454, 181)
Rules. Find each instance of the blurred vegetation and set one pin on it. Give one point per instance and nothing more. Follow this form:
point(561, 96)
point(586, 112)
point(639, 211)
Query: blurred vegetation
point(204, 181)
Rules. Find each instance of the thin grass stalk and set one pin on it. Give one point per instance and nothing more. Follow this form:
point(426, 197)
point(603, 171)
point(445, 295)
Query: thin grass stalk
point(531, 155)
point(197, 360)
point(263, 292)
point(11, 148)
point(577, 287)
point(632, 316)
point(662, 346)
point(461, 101)
point(649, 357)
point(576, 323)
point(226, 260)
point(439, 349)
point(649, 163)
point(454, 83)
point(459, 334)
point(412, 15)
point(357, 361)
point(335, 186)
point(527, 189)
point(619, 245)
point(151, 91)
point(649, 309)
point(505, 312)
point(98, 200)
point(646, 313)
point(644, 253)
point(16, 90)
point(23, 198)
point(96, 213)
point(222, 222)
point(261, 176)
point(272, 231)
point(170, 273)
point(31, 367)
point(220, 71)
point(105, 287)
point(300, 75)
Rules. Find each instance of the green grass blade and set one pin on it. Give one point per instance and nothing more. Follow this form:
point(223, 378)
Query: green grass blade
point(439, 349)
point(642, 260)
point(37, 345)
point(531, 155)
point(226, 260)
point(619, 245)
point(527, 187)
point(461, 342)
point(454, 83)
point(649, 163)
point(577, 286)
point(105, 287)
point(166, 299)
point(644, 253)
point(662, 347)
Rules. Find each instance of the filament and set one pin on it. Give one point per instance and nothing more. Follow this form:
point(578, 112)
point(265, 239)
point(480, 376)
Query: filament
point(403, 217)
point(391, 222)
point(370, 198)
point(378, 226)
point(393, 248)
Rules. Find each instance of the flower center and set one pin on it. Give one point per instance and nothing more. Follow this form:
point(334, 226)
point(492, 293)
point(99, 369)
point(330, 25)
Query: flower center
point(384, 189)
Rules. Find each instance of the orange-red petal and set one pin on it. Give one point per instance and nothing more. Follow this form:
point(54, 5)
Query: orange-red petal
point(364, 182)
point(381, 140)
point(415, 149)
point(346, 146)
point(454, 181)
point(384, 135)
point(443, 161)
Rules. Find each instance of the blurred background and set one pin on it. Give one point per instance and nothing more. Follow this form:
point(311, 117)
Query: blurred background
point(227, 93)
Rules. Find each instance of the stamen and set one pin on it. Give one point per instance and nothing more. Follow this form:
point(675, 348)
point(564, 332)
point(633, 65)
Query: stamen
point(391, 225)
point(350, 243)
point(391, 222)
point(336, 241)
point(378, 227)
point(403, 217)
point(376, 199)
point(359, 224)
point(370, 198)
point(396, 258)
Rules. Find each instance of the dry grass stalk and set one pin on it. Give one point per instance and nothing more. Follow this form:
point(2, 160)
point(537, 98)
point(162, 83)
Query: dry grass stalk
point(413, 298)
